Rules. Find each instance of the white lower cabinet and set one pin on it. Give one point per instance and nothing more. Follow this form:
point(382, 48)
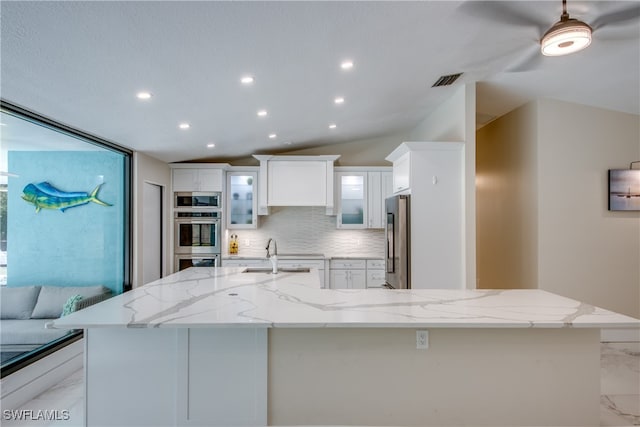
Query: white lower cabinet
point(357, 273)
point(375, 273)
point(246, 262)
point(348, 274)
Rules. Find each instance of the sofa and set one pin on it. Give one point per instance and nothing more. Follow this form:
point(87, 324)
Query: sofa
point(25, 310)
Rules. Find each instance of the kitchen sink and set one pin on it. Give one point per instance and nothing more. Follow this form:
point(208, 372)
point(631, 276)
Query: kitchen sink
point(280, 270)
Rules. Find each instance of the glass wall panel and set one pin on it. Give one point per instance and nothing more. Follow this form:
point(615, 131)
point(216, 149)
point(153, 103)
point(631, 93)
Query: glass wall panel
point(63, 229)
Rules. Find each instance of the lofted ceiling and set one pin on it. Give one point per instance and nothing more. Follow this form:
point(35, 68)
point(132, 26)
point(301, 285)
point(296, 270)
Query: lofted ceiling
point(82, 63)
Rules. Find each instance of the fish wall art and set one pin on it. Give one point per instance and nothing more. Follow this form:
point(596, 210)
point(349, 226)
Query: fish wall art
point(46, 196)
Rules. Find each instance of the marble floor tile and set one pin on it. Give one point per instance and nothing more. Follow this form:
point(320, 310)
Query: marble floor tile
point(64, 403)
point(620, 384)
point(620, 410)
point(620, 368)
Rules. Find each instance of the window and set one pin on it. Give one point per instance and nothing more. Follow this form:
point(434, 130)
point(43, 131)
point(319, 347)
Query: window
point(64, 229)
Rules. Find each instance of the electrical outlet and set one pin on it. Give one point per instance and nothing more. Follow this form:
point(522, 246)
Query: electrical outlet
point(422, 340)
point(247, 243)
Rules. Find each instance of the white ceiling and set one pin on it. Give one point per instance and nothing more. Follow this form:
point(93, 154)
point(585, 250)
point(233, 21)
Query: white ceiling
point(81, 63)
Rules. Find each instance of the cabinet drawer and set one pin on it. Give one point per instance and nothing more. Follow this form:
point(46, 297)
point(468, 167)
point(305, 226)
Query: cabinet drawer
point(375, 278)
point(310, 263)
point(375, 264)
point(348, 264)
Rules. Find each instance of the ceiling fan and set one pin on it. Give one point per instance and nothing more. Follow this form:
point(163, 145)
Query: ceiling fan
point(568, 35)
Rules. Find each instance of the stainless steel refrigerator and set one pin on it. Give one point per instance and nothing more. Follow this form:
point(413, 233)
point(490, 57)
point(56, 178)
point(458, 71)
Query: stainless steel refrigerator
point(398, 249)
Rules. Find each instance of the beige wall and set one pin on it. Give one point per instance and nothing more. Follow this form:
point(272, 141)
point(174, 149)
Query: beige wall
point(490, 377)
point(365, 152)
point(148, 169)
point(585, 251)
point(542, 204)
point(506, 189)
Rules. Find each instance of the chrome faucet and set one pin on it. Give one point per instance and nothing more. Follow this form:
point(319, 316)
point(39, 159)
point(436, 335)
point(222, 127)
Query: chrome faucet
point(273, 257)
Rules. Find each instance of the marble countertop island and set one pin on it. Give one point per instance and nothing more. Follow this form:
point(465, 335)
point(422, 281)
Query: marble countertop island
point(228, 297)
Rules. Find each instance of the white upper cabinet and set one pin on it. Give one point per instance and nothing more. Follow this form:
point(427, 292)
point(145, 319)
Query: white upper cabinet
point(295, 181)
point(197, 177)
point(360, 196)
point(380, 187)
point(402, 173)
point(241, 206)
point(352, 199)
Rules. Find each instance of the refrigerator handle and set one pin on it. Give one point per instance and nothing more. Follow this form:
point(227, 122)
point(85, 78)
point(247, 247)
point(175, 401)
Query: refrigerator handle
point(390, 249)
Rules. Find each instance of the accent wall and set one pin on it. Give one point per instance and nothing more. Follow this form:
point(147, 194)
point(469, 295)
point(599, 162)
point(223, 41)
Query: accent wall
point(82, 246)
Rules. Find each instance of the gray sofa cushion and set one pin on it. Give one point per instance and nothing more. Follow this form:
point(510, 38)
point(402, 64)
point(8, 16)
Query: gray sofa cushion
point(17, 302)
point(30, 331)
point(52, 299)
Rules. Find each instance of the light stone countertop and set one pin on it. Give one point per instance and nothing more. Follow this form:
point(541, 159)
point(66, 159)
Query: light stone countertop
point(301, 256)
point(227, 297)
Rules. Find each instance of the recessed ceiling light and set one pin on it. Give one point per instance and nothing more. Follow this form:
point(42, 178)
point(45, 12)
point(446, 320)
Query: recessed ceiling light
point(332, 126)
point(144, 95)
point(339, 100)
point(346, 65)
point(262, 113)
point(272, 135)
point(211, 145)
point(184, 125)
point(246, 80)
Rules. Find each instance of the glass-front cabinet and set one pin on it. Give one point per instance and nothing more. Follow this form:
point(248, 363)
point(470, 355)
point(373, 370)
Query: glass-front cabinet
point(352, 205)
point(241, 200)
point(360, 196)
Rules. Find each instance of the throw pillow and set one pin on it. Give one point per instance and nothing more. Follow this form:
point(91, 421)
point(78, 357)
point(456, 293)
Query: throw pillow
point(70, 306)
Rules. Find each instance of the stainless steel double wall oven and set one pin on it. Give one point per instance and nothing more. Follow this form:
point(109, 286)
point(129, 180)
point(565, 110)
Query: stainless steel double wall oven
point(197, 229)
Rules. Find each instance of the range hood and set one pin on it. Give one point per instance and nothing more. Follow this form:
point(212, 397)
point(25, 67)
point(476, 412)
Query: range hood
point(295, 181)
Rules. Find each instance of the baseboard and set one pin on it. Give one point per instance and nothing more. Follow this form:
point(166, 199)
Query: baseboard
point(32, 380)
point(620, 335)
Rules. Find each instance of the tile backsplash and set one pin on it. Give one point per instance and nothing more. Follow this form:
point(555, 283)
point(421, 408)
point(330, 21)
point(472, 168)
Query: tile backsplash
point(306, 230)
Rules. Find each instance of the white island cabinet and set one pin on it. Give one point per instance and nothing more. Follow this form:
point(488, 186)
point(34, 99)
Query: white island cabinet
point(216, 346)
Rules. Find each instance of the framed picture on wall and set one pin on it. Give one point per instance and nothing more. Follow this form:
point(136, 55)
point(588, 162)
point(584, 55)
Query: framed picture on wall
point(624, 189)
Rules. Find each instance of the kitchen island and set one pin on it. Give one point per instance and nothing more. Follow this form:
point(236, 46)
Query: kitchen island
point(218, 346)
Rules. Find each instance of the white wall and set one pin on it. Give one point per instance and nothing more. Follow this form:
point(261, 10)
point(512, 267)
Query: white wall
point(585, 251)
point(542, 204)
point(454, 120)
point(148, 169)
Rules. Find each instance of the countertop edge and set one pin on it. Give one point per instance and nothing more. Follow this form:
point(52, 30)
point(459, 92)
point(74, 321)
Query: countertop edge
point(355, 325)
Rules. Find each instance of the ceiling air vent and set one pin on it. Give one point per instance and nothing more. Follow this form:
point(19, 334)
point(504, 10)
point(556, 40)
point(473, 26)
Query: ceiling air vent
point(446, 80)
